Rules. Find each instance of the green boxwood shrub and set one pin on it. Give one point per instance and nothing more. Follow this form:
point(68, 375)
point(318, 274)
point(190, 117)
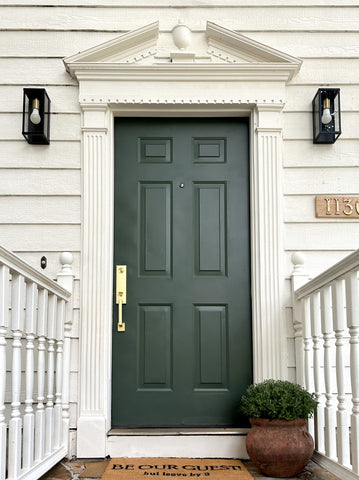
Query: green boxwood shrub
point(278, 399)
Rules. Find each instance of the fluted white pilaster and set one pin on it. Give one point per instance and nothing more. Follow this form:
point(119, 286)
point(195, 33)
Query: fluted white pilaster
point(267, 226)
point(96, 304)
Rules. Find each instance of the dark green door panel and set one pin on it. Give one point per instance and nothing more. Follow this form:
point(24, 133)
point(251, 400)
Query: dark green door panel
point(182, 229)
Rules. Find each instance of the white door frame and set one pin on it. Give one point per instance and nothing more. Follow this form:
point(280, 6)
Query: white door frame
point(114, 89)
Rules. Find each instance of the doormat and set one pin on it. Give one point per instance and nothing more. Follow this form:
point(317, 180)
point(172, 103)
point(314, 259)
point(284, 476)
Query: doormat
point(170, 468)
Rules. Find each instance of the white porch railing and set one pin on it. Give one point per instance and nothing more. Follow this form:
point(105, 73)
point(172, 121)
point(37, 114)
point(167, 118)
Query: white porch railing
point(326, 322)
point(35, 319)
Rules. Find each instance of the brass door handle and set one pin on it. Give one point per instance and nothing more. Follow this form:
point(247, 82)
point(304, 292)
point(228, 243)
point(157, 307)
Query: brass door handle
point(121, 283)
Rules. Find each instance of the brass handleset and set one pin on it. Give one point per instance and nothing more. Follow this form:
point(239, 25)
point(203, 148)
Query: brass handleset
point(121, 283)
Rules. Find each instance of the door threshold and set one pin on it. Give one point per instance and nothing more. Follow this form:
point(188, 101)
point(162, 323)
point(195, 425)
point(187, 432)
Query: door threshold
point(170, 431)
point(178, 442)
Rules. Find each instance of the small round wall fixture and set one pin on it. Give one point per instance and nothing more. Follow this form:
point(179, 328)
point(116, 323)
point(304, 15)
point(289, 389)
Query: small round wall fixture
point(36, 116)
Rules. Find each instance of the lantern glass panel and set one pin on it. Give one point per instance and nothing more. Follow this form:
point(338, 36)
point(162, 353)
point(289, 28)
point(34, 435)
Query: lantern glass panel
point(336, 115)
point(26, 114)
point(316, 116)
point(46, 116)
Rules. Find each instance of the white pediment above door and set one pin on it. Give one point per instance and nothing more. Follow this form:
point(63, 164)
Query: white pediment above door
point(225, 50)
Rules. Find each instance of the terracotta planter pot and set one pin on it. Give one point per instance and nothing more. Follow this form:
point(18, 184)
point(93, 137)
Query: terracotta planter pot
point(279, 448)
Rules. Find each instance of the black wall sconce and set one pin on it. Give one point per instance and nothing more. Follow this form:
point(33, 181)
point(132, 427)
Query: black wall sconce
point(326, 115)
point(36, 116)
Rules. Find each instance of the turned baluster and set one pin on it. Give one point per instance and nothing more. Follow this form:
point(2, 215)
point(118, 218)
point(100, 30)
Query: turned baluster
point(339, 323)
point(49, 410)
point(40, 411)
point(316, 336)
point(308, 353)
point(328, 336)
point(58, 430)
point(29, 417)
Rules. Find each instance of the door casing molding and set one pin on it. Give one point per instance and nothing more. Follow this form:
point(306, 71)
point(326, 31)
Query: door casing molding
point(268, 326)
point(108, 89)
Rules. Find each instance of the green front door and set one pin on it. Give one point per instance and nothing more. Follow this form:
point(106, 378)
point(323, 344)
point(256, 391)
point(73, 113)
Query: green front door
point(182, 229)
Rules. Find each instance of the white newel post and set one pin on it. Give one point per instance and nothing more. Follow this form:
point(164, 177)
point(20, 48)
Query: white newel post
point(96, 285)
point(66, 279)
point(267, 246)
point(299, 278)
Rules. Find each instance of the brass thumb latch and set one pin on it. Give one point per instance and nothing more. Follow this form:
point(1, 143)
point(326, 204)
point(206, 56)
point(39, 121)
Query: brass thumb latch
point(121, 277)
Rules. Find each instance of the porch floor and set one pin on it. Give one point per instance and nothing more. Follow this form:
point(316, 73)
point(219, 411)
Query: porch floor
point(83, 469)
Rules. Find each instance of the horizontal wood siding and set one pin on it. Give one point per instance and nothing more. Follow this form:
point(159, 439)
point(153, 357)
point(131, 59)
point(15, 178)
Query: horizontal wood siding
point(40, 191)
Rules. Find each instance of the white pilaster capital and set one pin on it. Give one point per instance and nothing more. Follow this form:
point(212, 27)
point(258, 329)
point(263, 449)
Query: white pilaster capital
point(269, 118)
point(94, 117)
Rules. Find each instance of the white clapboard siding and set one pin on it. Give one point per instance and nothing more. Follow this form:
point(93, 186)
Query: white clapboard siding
point(298, 153)
point(39, 182)
point(49, 44)
point(250, 18)
point(60, 155)
point(322, 236)
point(320, 180)
point(327, 71)
point(311, 44)
point(30, 209)
point(55, 238)
point(33, 72)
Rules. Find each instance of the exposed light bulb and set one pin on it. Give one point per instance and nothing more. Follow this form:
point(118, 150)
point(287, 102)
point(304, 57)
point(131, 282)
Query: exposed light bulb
point(327, 116)
point(35, 114)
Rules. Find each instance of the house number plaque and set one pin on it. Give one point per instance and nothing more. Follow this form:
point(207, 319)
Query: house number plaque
point(337, 206)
